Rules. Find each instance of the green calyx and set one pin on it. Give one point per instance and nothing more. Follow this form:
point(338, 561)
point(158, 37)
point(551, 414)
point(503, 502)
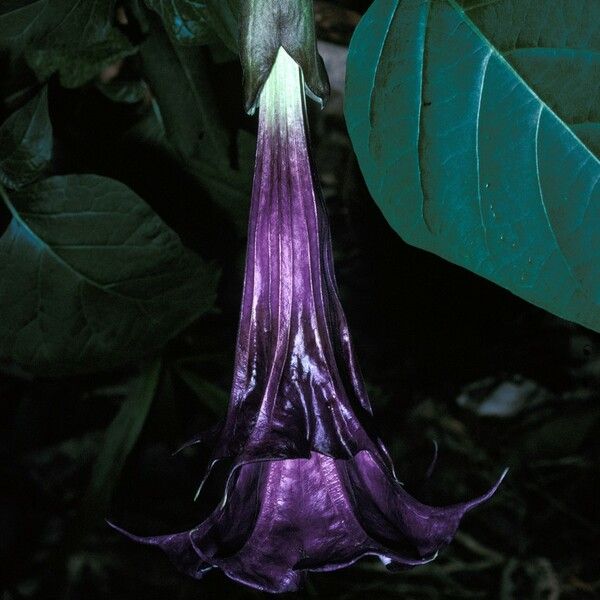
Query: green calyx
point(266, 26)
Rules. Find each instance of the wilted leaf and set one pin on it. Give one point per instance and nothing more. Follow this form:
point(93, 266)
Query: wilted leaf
point(26, 143)
point(476, 132)
point(90, 277)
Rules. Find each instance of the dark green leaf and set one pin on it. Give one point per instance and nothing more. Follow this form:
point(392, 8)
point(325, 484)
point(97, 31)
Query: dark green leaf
point(185, 20)
point(188, 108)
point(90, 277)
point(228, 187)
point(119, 440)
point(20, 20)
point(482, 149)
point(220, 53)
point(26, 143)
point(77, 38)
point(128, 92)
point(223, 18)
point(178, 77)
point(78, 65)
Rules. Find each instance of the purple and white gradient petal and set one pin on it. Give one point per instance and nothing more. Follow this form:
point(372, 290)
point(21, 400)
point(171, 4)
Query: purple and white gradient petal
point(312, 488)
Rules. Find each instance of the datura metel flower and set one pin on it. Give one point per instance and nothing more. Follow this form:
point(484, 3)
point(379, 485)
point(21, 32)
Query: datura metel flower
point(311, 487)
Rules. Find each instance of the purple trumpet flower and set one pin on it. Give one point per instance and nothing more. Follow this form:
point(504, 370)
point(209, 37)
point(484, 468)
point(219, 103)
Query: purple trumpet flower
point(285, 517)
point(311, 488)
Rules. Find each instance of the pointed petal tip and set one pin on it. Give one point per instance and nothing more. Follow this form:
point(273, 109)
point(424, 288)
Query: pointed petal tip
point(318, 96)
point(252, 102)
point(250, 106)
point(207, 473)
point(205, 438)
point(316, 83)
point(253, 86)
point(193, 442)
point(127, 534)
point(498, 482)
point(433, 462)
point(157, 540)
point(115, 526)
point(487, 495)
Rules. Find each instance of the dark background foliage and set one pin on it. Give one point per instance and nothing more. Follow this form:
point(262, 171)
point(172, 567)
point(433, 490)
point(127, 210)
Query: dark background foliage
point(448, 357)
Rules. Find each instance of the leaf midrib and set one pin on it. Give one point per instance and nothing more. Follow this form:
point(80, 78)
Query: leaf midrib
point(543, 106)
point(516, 74)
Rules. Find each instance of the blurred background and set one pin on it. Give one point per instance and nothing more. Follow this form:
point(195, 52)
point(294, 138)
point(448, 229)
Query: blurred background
point(449, 359)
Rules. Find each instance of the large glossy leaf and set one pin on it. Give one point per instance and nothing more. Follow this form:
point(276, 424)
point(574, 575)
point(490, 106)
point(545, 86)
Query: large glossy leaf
point(90, 277)
point(477, 129)
point(26, 142)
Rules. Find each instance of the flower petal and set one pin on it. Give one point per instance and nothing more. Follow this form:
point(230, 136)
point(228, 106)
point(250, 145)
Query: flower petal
point(297, 387)
point(177, 546)
point(284, 517)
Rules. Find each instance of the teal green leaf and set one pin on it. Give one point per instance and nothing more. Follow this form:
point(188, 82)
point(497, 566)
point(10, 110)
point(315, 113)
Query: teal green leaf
point(185, 20)
point(477, 133)
point(90, 277)
point(26, 143)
